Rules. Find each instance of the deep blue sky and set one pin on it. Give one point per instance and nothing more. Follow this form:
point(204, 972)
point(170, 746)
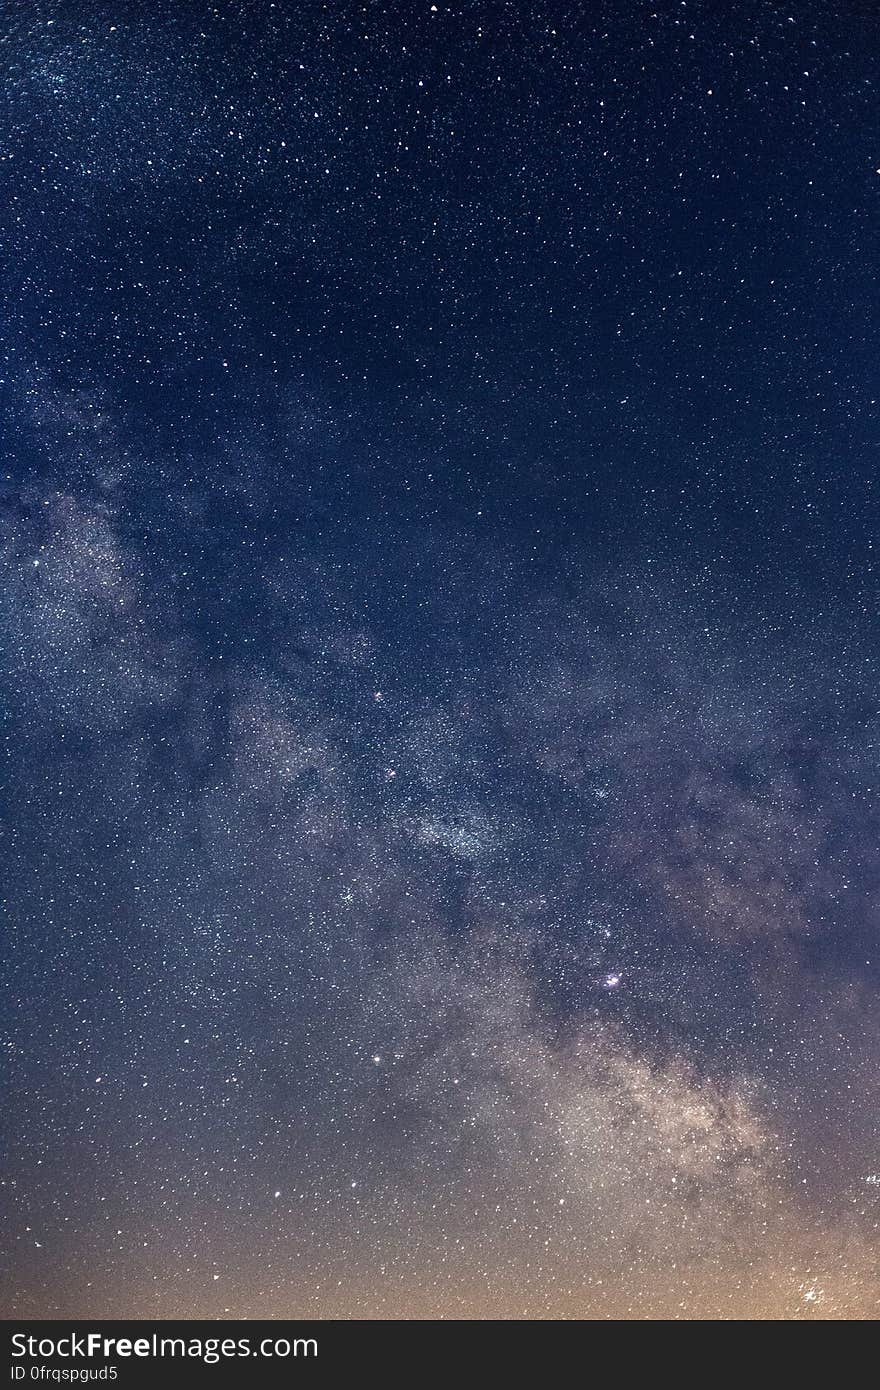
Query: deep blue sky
point(438, 659)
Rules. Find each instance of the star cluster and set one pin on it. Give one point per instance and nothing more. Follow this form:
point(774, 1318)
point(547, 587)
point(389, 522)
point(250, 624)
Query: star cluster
point(440, 816)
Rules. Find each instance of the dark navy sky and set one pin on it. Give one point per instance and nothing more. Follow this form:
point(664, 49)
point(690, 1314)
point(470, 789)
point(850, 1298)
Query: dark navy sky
point(438, 659)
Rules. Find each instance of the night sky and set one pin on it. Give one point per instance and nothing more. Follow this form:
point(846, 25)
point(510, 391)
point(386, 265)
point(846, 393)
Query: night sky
point(440, 793)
